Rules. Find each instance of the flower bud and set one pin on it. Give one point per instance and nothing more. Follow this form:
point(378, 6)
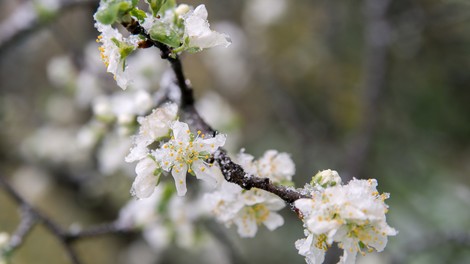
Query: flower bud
point(326, 178)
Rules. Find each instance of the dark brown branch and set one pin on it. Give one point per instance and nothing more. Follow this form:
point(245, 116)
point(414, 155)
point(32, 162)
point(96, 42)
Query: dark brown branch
point(232, 172)
point(187, 97)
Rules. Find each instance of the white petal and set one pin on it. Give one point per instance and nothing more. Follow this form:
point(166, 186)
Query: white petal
point(273, 221)
point(204, 172)
point(145, 182)
point(179, 174)
point(246, 225)
point(180, 131)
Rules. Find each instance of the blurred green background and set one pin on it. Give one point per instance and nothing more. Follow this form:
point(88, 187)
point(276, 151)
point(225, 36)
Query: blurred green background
point(335, 83)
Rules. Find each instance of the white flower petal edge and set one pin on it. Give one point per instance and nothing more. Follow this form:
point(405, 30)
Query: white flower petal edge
point(197, 29)
point(145, 182)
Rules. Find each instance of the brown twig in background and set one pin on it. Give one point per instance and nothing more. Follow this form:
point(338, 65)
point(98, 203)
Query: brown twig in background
point(377, 40)
point(28, 21)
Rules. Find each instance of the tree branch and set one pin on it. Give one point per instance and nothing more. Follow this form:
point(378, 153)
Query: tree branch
point(25, 20)
point(232, 172)
point(31, 216)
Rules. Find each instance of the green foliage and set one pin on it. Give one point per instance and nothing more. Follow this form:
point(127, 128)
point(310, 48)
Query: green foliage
point(155, 5)
point(165, 34)
point(114, 11)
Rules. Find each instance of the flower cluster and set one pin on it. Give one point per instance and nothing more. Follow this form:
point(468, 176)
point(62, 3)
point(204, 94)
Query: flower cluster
point(180, 27)
point(248, 209)
point(186, 153)
point(351, 215)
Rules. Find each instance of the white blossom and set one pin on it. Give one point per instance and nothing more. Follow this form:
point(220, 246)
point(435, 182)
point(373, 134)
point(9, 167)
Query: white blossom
point(351, 215)
point(152, 127)
point(246, 209)
point(197, 30)
point(326, 178)
point(185, 152)
point(111, 53)
point(277, 166)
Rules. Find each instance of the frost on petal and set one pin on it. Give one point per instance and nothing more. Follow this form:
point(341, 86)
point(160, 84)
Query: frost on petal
point(197, 29)
point(179, 174)
point(145, 182)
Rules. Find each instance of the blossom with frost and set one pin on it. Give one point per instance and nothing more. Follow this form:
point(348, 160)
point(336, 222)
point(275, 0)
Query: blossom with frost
point(152, 127)
point(185, 152)
point(247, 209)
point(277, 166)
point(114, 50)
point(351, 215)
point(198, 33)
point(326, 178)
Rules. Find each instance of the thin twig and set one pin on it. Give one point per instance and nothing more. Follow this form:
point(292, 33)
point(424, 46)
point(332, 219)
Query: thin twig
point(232, 172)
point(31, 216)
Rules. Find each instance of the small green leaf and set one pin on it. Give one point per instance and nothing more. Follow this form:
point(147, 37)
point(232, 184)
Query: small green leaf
point(139, 14)
point(165, 34)
point(108, 15)
point(155, 5)
point(169, 4)
point(168, 192)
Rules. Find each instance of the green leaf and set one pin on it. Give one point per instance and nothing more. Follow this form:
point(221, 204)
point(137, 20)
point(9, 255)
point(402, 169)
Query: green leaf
point(165, 34)
point(139, 14)
point(114, 11)
point(108, 15)
point(155, 5)
point(169, 4)
point(168, 192)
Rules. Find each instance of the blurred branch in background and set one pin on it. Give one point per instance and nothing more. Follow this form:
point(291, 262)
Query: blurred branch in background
point(26, 20)
point(377, 36)
point(432, 242)
point(30, 216)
